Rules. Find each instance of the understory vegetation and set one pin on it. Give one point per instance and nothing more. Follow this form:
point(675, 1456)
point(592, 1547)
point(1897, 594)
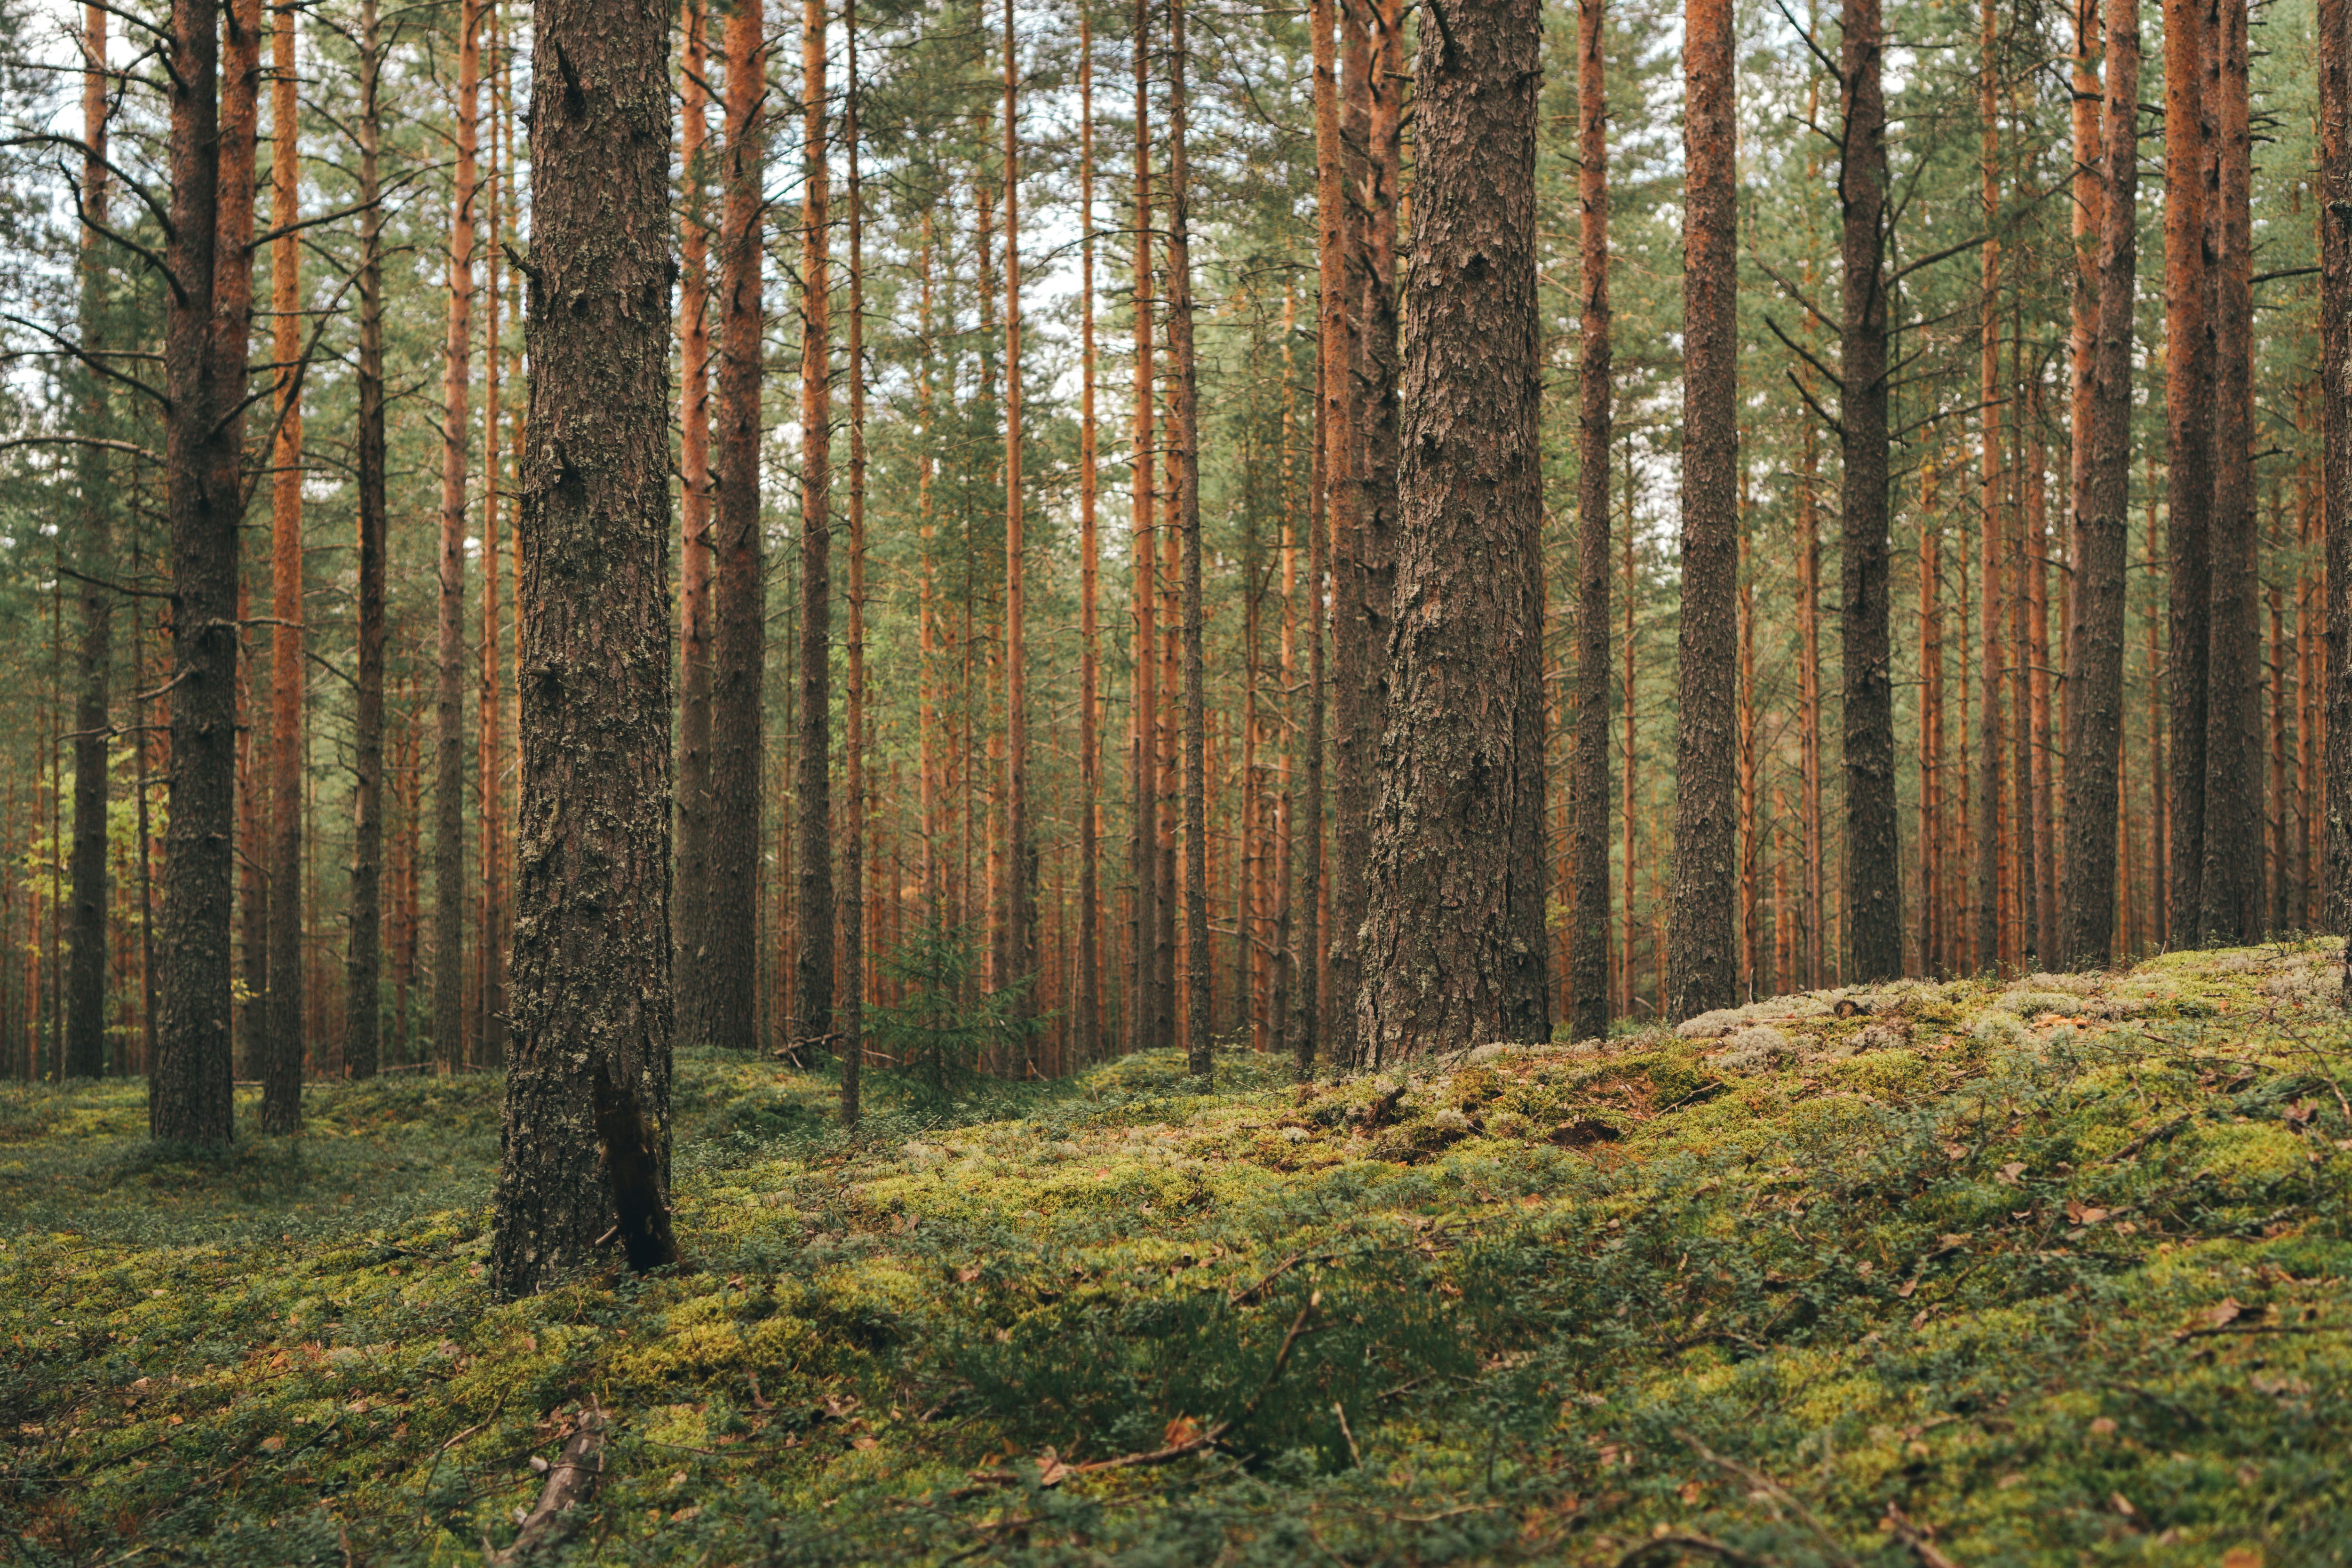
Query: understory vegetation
point(2041, 1270)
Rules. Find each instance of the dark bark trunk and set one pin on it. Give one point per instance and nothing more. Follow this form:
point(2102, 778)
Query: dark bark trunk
point(1184, 457)
point(587, 1138)
point(281, 1071)
point(1447, 964)
point(812, 786)
point(851, 1010)
point(1020, 850)
point(1873, 900)
point(2231, 881)
point(2335, 29)
point(85, 1034)
point(1143, 1023)
point(2188, 446)
point(1331, 505)
point(1702, 960)
point(1089, 1039)
point(2095, 643)
point(721, 1005)
point(205, 334)
point(363, 964)
point(1587, 1015)
point(449, 692)
point(692, 893)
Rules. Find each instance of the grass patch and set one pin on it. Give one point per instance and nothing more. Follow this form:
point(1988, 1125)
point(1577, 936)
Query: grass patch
point(2050, 1271)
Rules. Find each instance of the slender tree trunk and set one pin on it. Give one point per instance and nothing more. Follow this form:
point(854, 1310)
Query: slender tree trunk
point(2095, 646)
point(490, 945)
point(812, 791)
point(85, 1040)
point(363, 964)
point(693, 890)
point(723, 1006)
point(449, 699)
point(1702, 962)
point(1589, 950)
point(1932, 929)
point(2082, 298)
point(1150, 895)
point(1021, 893)
point(850, 1013)
point(1990, 823)
point(1872, 902)
point(2231, 883)
point(1185, 459)
point(2189, 431)
point(281, 1067)
point(2043, 910)
point(205, 335)
point(587, 1151)
point(1089, 1042)
point(2335, 29)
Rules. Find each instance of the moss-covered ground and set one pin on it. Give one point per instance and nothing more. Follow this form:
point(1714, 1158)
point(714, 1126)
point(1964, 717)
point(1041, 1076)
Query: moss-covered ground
point(2042, 1271)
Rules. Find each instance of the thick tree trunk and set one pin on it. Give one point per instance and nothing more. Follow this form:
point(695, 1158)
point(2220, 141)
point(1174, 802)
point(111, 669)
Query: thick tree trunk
point(363, 964)
point(851, 1009)
point(1587, 1015)
point(1184, 458)
point(586, 1140)
point(691, 896)
point(1445, 961)
point(812, 787)
point(2189, 443)
point(281, 1067)
point(2095, 643)
point(84, 1032)
point(1702, 962)
point(1873, 900)
point(207, 328)
point(2231, 885)
point(2083, 337)
point(722, 1006)
point(1089, 1039)
point(449, 693)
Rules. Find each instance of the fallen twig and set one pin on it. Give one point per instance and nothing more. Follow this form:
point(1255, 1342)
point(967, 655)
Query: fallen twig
point(570, 1482)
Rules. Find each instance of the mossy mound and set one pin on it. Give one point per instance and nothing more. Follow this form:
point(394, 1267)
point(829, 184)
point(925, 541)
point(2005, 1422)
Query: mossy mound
point(2043, 1272)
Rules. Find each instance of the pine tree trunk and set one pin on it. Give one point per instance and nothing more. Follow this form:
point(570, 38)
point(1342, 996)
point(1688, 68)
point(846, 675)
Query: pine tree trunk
point(1088, 1044)
point(449, 699)
point(1184, 458)
point(1871, 901)
point(1702, 962)
point(692, 893)
point(1588, 1017)
point(281, 1067)
point(1021, 890)
point(1446, 963)
point(1932, 901)
point(363, 963)
point(85, 1038)
point(2231, 883)
point(812, 787)
point(722, 1006)
point(2094, 645)
point(204, 345)
point(489, 947)
point(1151, 896)
point(2189, 432)
point(586, 1150)
point(2334, 54)
point(850, 1013)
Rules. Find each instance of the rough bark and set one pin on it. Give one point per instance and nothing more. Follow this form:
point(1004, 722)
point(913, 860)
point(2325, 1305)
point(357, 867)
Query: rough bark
point(85, 1022)
point(1088, 1024)
point(1447, 964)
point(722, 1006)
point(812, 791)
point(206, 327)
point(586, 1140)
point(2189, 451)
point(1873, 900)
point(1702, 960)
point(850, 1010)
point(692, 892)
point(1991, 823)
point(2094, 644)
point(1184, 460)
point(2335, 29)
point(449, 691)
point(363, 962)
point(281, 1067)
point(1021, 889)
point(2232, 882)
point(1150, 895)
point(2083, 336)
point(1587, 999)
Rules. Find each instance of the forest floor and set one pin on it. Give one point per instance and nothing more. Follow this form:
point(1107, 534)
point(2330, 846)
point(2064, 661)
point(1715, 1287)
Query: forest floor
point(2042, 1271)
